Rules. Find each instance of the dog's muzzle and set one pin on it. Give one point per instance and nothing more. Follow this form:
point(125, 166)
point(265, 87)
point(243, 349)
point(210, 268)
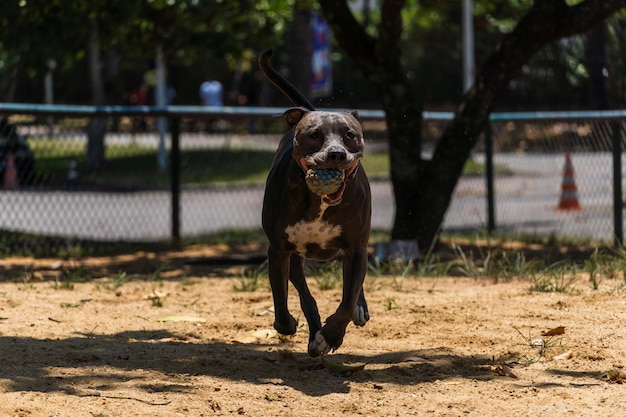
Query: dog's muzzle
point(335, 197)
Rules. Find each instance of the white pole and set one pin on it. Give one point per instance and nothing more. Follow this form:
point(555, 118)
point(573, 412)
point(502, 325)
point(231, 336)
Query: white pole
point(468, 45)
point(48, 86)
point(49, 91)
point(160, 92)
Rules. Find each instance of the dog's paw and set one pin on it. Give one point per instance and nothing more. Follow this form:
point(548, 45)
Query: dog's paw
point(287, 328)
point(361, 316)
point(318, 345)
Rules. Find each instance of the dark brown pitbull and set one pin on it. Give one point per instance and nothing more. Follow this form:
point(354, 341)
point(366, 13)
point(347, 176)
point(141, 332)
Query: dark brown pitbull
point(301, 224)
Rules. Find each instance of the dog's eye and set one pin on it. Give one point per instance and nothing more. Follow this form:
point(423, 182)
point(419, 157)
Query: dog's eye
point(350, 134)
point(314, 135)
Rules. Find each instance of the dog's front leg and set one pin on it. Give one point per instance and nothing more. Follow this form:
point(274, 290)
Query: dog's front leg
point(331, 335)
point(361, 312)
point(307, 303)
point(278, 269)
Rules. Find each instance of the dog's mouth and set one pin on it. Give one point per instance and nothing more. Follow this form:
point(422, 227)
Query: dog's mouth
point(335, 198)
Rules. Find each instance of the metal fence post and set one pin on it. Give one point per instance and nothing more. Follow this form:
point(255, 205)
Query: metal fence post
point(491, 206)
point(175, 179)
point(618, 203)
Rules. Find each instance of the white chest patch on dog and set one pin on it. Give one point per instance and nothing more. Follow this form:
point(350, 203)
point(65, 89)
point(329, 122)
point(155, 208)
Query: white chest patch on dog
point(317, 231)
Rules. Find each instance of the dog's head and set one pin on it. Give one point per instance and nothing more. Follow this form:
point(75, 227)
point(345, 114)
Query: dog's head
point(327, 140)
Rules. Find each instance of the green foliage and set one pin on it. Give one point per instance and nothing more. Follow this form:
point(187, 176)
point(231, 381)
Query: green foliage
point(191, 33)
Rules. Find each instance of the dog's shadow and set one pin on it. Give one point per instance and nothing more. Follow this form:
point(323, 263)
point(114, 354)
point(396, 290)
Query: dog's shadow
point(82, 362)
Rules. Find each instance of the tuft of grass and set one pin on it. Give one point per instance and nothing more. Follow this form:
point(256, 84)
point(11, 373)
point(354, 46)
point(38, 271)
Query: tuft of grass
point(156, 300)
point(595, 266)
point(541, 344)
point(116, 282)
point(467, 265)
point(432, 265)
point(557, 277)
point(327, 276)
point(516, 266)
point(69, 277)
point(390, 304)
point(156, 275)
point(401, 270)
point(70, 305)
point(251, 278)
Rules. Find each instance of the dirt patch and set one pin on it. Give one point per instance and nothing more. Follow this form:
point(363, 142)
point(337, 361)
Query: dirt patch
point(184, 342)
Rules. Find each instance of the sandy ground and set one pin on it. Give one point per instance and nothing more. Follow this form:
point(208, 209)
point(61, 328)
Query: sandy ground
point(180, 341)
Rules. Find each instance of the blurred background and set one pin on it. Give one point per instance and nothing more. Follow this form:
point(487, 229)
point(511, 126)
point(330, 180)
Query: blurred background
point(75, 178)
point(221, 39)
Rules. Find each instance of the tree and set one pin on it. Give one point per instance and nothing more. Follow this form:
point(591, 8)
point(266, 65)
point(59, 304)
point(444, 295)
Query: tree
point(423, 187)
point(72, 31)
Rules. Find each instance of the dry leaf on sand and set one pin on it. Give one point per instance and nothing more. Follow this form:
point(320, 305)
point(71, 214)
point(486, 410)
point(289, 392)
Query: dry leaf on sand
point(557, 331)
point(563, 356)
point(256, 336)
point(341, 368)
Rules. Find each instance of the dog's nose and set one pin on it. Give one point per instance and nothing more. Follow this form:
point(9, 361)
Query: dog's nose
point(337, 154)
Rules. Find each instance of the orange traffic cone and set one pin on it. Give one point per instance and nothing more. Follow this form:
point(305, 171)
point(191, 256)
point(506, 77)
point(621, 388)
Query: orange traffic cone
point(569, 191)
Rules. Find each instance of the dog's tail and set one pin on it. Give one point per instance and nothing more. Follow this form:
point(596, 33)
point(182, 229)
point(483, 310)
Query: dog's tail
point(282, 83)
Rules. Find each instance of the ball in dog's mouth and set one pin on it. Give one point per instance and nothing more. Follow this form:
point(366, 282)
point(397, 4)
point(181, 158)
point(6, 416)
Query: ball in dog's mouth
point(324, 182)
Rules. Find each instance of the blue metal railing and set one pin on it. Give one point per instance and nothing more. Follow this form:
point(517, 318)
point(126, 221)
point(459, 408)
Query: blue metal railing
point(614, 117)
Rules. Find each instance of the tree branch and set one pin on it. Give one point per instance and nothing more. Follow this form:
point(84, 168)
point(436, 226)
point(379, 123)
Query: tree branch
point(390, 28)
point(349, 32)
point(581, 17)
point(545, 22)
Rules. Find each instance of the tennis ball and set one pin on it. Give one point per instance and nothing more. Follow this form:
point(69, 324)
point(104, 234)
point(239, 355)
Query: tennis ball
point(324, 181)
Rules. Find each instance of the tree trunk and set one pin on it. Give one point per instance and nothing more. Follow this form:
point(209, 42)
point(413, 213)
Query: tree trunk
point(545, 22)
point(381, 62)
point(299, 50)
point(423, 189)
point(596, 67)
point(97, 126)
point(9, 95)
point(404, 127)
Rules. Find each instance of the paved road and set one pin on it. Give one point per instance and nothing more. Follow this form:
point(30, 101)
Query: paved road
point(526, 203)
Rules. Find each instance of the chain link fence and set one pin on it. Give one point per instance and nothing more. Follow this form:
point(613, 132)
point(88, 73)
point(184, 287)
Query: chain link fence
point(200, 172)
point(553, 175)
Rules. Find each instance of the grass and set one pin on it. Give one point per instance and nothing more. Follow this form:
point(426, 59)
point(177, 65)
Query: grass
point(551, 264)
point(116, 282)
point(456, 256)
point(71, 276)
point(28, 244)
point(559, 277)
point(251, 279)
point(135, 167)
point(542, 345)
point(327, 276)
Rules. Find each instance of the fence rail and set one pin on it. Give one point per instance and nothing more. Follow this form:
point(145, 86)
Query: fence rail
point(130, 199)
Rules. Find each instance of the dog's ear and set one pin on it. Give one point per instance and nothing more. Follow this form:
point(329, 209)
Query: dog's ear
point(355, 114)
point(294, 115)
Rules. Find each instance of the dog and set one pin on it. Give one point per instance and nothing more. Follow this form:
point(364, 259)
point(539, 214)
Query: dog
point(301, 224)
